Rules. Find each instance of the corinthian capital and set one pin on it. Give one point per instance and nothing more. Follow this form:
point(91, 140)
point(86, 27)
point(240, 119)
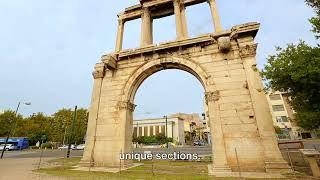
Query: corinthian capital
point(127, 105)
point(212, 96)
point(248, 50)
point(99, 71)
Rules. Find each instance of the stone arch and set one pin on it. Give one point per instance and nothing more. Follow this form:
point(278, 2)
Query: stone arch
point(149, 68)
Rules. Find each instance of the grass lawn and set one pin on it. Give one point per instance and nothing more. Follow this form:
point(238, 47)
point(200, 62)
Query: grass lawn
point(162, 170)
point(149, 170)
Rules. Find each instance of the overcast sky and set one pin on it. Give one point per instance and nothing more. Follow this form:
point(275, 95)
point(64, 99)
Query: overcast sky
point(48, 49)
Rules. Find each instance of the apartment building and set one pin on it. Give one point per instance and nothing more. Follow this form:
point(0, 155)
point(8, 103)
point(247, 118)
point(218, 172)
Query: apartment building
point(283, 117)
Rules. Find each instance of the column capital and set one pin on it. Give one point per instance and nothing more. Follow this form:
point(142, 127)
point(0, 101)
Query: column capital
point(178, 3)
point(146, 12)
point(127, 105)
point(248, 50)
point(121, 21)
point(99, 71)
point(212, 96)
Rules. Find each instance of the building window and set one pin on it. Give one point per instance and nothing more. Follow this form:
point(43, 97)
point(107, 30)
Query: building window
point(278, 108)
point(275, 97)
point(282, 119)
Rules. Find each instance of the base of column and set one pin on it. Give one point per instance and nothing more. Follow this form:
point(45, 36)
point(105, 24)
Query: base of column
point(218, 170)
point(278, 167)
point(85, 166)
point(85, 163)
point(225, 171)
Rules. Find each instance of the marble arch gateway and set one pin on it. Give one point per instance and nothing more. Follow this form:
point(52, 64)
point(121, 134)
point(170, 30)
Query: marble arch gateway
point(223, 61)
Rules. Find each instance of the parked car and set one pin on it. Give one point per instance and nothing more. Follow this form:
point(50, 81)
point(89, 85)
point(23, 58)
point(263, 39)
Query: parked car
point(9, 147)
point(198, 143)
point(80, 147)
point(66, 147)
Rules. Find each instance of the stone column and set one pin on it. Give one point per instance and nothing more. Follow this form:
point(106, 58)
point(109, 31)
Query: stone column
point(98, 74)
point(120, 35)
point(146, 28)
point(215, 15)
point(220, 164)
point(184, 22)
point(179, 24)
point(273, 157)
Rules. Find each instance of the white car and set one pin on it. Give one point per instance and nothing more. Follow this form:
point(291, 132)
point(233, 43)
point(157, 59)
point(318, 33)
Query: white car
point(66, 147)
point(80, 147)
point(9, 147)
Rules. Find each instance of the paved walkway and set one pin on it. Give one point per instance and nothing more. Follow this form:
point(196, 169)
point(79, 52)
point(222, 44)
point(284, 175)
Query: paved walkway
point(22, 169)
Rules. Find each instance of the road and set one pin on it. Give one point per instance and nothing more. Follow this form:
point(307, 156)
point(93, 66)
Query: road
point(78, 153)
point(202, 150)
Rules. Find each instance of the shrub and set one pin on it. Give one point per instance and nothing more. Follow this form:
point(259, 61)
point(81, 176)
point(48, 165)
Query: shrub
point(46, 145)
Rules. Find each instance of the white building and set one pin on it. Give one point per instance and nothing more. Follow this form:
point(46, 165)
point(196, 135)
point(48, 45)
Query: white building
point(153, 127)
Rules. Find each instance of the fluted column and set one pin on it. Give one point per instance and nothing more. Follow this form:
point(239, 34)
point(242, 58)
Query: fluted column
point(146, 28)
point(179, 25)
point(120, 35)
point(215, 15)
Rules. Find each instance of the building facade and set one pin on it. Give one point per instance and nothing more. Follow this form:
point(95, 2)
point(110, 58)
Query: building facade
point(153, 127)
point(283, 117)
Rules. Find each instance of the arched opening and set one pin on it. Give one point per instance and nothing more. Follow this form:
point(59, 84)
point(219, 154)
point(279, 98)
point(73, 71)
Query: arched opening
point(171, 103)
point(182, 83)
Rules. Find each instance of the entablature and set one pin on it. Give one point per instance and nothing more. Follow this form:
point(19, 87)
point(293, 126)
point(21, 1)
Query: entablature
point(158, 8)
point(239, 31)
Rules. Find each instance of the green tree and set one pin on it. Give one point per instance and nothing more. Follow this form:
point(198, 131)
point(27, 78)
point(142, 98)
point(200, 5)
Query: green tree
point(34, 127)
point(315, 21)
point(61, 126)
point(296, 69)
point(8, 119)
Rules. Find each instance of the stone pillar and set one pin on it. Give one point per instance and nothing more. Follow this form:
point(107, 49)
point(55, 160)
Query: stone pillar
point(126, 122)
point(146, 28)
point(184, 22)
point(220, 164)
point(179, 24)
point(272, 155)
point(215, 15)
point(120, 35)
point(314, 166)
point(98, 74)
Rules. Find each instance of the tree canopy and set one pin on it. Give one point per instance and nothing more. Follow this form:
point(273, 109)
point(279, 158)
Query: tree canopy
point(56, 128)
point(315, 21)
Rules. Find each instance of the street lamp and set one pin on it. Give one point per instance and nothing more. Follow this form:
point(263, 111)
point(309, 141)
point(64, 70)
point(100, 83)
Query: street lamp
point(13, 126)
point(166, 130)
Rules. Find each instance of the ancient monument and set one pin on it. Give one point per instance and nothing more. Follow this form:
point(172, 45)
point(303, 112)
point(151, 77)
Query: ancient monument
point(223, 61)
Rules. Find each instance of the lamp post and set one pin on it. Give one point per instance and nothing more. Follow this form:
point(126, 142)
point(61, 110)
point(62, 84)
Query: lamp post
point(71, 135)
point(166, 130)
point(13, 126)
